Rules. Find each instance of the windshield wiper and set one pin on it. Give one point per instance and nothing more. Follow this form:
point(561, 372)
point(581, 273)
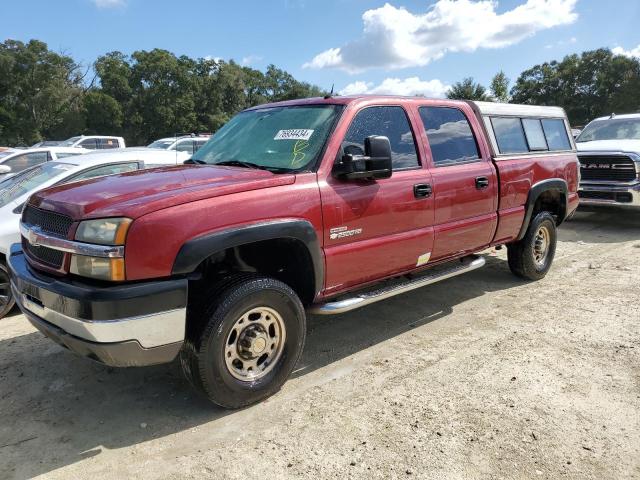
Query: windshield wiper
point(240, 163)
point(195, 161)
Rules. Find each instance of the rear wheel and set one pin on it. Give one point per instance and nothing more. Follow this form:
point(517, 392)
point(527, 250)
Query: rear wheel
point(244, 340)
point(6, 297)
point(531, 257)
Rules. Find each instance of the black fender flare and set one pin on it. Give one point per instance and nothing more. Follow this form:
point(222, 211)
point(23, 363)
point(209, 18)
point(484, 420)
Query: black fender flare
point(197, 250)
point(537, 189)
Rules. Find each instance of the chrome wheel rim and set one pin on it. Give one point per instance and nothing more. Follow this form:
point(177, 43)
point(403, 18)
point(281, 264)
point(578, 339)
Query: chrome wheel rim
point(5, 291)
point(541, 246)
point(254, 344)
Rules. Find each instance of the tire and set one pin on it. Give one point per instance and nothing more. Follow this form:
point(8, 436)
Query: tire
point(525, 258)
point(6, 296)
point(229, 324)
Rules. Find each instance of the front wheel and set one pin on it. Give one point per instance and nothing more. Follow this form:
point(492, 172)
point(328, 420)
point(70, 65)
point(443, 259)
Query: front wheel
point(6, 297)
point(244, 340)
point(531, 257)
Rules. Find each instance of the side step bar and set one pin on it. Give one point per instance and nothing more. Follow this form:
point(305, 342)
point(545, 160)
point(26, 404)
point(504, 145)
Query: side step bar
point(465, 265)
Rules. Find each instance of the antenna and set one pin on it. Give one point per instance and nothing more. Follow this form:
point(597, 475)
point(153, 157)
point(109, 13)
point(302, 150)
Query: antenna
point(330, 93)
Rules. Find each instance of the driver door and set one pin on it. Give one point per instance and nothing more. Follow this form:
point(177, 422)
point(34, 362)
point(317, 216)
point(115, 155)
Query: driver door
point(375, 229)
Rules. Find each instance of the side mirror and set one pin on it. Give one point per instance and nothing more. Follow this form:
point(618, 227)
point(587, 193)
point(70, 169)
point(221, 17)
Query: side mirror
point(4, 169)
point(375, 163)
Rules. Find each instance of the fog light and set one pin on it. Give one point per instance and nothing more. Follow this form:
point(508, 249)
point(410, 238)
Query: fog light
point(111, 269)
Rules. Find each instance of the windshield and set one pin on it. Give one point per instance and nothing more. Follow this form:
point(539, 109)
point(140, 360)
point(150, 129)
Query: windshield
point(69, 142)
point(14, 187)
point(277, 139)
point(611, 129)
point(163, 144)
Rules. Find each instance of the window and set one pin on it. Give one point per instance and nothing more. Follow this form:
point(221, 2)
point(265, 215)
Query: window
point(198, 144)
point(106, 170)
point(535, 135)
point(450, 136)
point(391, 122)
point(185, 146)
point(34, 178)
point(67, 154)
point(610, 129)
point(283, 138)
point(89, 143)
point(556, 133)
point(26, 160)
point(107, 143)
point(509, 135)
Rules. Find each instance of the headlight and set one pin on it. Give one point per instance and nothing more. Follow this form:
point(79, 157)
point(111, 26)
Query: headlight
point(106, 231)
point(110, 269)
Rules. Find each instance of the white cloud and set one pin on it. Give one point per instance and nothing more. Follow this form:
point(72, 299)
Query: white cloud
point(633, 53)
point(250, 59)
point(109, 3)
point(395, 38)
point(395, 86)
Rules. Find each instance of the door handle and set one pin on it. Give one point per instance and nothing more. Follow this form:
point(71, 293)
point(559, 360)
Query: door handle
point(422, 190)
point(482, 182)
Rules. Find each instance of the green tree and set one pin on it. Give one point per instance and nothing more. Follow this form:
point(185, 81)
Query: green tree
point(588, 85)
point(500, 87)
point(102, 113)
point(38, 89)
point(468, 89)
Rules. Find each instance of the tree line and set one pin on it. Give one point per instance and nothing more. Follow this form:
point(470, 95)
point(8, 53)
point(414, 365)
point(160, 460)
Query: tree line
point(587, 85)
point(153, 94)
point(142, 97)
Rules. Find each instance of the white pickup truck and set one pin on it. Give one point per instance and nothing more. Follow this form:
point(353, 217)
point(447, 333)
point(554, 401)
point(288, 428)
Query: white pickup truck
point(609, 153)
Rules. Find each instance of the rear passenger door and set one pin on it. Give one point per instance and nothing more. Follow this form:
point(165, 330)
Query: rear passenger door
point(464, 182)
point(374, 229)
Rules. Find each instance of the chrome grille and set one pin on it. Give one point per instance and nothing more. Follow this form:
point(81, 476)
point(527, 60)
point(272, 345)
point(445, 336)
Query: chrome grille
point(49, 222)
point(612, 168)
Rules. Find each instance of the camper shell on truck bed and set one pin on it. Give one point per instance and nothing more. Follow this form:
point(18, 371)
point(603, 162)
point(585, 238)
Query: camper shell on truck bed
point(319, 205)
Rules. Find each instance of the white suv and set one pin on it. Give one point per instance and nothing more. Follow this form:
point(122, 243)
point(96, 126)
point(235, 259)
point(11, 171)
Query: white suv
point(94, 142)
point(182, 143)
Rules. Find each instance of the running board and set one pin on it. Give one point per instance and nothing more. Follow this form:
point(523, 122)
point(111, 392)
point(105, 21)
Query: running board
point(465, 265)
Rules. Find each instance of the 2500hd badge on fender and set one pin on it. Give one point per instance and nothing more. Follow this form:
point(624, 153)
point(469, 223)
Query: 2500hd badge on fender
point(290, 207)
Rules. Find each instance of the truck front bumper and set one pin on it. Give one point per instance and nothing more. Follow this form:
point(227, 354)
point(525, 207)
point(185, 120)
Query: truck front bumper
point(619, 195)
point(118, 325)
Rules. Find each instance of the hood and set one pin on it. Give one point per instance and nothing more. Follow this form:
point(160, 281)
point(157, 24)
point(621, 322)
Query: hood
point(629, 146)
point(138, 193)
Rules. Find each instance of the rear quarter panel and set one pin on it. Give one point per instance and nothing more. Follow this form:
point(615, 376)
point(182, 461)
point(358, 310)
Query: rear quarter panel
point(518, 174)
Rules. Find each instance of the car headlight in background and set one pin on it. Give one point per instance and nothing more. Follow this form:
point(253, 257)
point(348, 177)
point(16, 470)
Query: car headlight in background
point(105, 231)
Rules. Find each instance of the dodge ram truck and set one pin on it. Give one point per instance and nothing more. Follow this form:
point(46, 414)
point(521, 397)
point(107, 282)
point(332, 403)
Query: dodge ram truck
point(312, 206)
point(609, 153)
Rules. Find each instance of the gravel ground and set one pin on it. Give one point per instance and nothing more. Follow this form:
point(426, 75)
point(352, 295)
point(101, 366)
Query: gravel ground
point(480, 376)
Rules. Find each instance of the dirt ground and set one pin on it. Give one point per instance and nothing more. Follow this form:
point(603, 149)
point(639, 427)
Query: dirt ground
point(480, 376)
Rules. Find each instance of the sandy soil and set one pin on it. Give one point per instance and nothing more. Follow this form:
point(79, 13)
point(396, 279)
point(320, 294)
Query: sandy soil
point(481, 376)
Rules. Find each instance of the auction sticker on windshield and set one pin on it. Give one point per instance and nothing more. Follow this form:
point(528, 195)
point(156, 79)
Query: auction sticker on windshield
point(295, 134)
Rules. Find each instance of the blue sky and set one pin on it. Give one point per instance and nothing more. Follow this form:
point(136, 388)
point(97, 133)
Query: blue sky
point(404, 46)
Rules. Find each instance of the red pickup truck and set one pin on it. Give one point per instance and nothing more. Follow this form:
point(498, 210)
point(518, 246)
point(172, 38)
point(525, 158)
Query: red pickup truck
point(293, 207)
